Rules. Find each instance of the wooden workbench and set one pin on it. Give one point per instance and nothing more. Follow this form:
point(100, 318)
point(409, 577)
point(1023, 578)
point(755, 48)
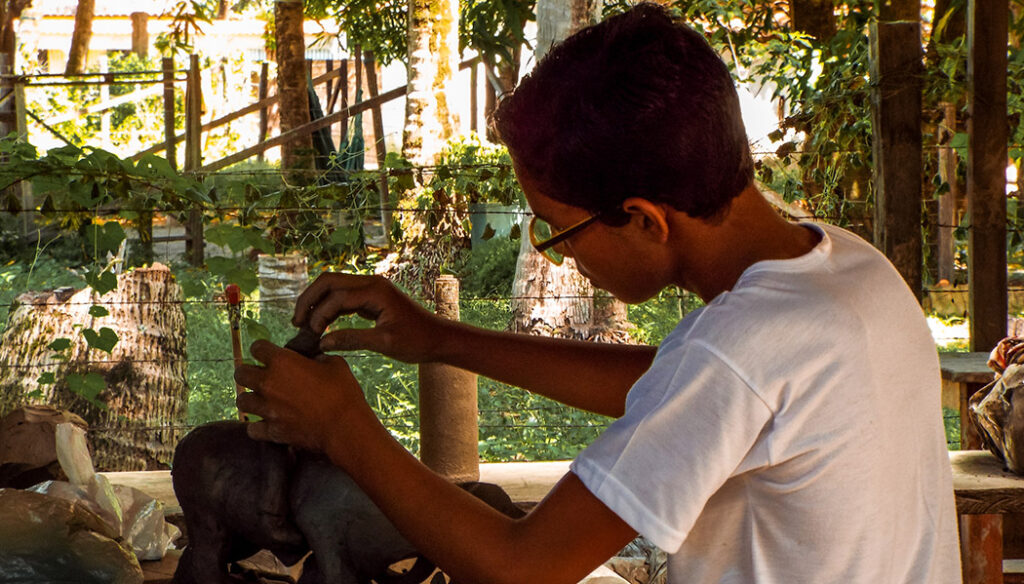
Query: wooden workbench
point(985, 492)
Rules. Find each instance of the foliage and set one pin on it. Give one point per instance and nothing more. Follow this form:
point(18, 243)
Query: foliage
point(482, 173)
point(490, 269)
point(71, 114)
point(187, 19)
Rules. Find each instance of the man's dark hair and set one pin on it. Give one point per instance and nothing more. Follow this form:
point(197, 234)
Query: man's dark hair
point(636, 105)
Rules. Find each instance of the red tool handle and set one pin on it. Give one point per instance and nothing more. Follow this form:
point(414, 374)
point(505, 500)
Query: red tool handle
point(233, 293)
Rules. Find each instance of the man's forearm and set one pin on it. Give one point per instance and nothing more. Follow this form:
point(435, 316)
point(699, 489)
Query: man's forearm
point(565, 537)
point(586, 375)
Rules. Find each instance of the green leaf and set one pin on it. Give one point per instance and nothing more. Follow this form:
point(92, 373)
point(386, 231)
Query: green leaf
point(255, 331)
point(46, 378)
point(89, 386)
point(106, 237)
point(103, 340)
point(98, 311)
point(102, 282)
point(61, 344)
point(345, 237)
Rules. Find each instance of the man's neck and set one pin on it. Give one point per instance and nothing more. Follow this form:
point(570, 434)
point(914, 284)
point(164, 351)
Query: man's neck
point(750, 231)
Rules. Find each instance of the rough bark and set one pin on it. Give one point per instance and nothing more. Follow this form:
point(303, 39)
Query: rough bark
point(433, 61)
point(146, 391)
point(814, 17)
point(556, 300)
point(296, 154)
point(79, 51)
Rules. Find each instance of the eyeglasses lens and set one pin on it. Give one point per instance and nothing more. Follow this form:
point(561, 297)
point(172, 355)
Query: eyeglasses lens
point(541, 231)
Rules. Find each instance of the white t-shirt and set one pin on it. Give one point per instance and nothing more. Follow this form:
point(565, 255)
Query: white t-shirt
point(790, 431)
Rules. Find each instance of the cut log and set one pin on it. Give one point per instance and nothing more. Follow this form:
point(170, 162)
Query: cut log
point(146, 393)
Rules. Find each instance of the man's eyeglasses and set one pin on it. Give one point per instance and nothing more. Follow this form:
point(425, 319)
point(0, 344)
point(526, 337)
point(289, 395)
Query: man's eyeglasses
point(544, 238)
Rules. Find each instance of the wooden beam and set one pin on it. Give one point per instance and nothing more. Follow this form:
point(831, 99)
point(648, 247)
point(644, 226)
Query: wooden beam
point(262, 104)
point(896, 130)
point(305, 128)
point(987, 31)
point(170, 140)
point(947, 203)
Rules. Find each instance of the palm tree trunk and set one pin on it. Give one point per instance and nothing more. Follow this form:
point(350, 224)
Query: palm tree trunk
point(556, 300)
point(79, 52)
point(296, 154)
point(433, 61)
point(145, 391)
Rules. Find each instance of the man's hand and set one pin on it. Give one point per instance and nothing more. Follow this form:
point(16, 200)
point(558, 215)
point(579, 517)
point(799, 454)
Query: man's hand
point(301, 402)
point(403, 329)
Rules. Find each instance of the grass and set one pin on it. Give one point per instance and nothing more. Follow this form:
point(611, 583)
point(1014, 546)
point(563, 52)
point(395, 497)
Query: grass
point(514, 424)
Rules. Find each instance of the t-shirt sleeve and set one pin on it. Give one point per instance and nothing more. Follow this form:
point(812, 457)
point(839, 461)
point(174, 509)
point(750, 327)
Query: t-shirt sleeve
point(689, 423)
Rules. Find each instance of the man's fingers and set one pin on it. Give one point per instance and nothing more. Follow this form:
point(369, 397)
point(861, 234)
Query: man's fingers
point(250, 376)
point(264, 351)
point(352, 340)
point(252, 403)
point(263, 430)
point(309, 298)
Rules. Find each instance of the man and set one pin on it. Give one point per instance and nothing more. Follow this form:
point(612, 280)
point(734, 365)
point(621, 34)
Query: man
point(789, 431)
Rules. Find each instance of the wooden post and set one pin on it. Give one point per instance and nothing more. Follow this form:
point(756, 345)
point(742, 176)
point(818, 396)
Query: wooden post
point(987, 30)
point(194, 158)
point(378, 141)
point(105, 117)
point(140, 33)
point(946, 247)
point(896, 129)
point(343, 92)
point(28, 214)
point(449, 429)
point(8, 121)
point(264, 118)
point(170, 150)
point(473, 82)
point(981, 537)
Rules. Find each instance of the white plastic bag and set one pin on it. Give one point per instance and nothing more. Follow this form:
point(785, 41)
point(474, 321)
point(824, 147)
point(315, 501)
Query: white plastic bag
point(133, 515)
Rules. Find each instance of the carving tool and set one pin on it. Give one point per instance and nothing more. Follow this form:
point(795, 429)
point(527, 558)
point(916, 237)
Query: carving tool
point(234, 297)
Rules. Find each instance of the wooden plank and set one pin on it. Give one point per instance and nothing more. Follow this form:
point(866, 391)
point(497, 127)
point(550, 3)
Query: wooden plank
point(305, 128)
point(965, 367)
point(983, 486)
point(896, 132)
point(987, 32)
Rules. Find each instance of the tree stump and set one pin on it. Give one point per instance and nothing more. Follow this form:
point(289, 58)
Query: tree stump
point(145, 391)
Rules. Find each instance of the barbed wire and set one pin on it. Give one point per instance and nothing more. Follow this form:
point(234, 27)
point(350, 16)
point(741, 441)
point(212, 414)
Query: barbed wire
point(277, 301)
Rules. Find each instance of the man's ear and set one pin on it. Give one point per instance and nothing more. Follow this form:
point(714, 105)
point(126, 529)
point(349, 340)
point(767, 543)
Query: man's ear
point(650, 218)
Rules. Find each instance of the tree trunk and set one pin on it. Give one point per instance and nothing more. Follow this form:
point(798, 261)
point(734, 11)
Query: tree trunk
point(814, 17)
point(556, 300)
point(433, 61)
point(145, 390)
point(79, 52)
point(296, 154)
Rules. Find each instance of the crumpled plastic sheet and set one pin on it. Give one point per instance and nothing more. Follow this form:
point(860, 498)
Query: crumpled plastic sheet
point(998, 411)
point(84, 530)
point(50, 540)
